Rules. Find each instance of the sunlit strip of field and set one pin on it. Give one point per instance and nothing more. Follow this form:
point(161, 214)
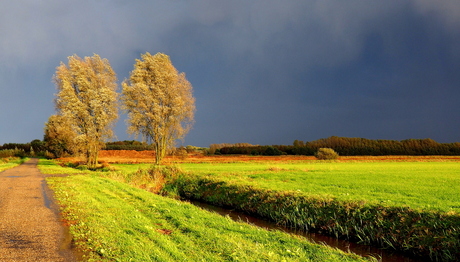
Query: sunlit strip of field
point(136, 157)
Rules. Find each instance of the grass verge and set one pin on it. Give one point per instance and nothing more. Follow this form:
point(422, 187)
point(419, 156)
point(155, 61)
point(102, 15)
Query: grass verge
point(7, 163)
point(112, 221)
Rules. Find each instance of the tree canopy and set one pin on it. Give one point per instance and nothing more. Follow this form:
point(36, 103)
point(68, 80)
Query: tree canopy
point(87, 99)
point(159, 102)
point(59, 137)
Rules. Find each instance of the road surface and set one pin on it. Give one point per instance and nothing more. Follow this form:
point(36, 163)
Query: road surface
point(30, 228)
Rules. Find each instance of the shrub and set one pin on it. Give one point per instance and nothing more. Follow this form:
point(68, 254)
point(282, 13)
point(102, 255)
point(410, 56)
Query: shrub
point(272, 151)
point(156, 179)
point(326, 154)
point(7, 153)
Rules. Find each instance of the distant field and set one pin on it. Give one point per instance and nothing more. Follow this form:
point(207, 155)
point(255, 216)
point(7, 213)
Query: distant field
point(418, 182)
point(136, 157)
point(425, 185)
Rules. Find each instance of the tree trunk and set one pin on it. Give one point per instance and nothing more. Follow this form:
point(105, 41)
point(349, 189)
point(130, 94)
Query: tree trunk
point(92, 155)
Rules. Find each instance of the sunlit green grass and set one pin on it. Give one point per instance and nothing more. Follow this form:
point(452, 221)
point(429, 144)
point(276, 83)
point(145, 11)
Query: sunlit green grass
point(116, 222)
point(50, 167)
point(424, 185)
point(421, 185)
point(410, 206)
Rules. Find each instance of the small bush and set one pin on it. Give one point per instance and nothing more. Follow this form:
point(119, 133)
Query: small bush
point(181, 152)
point(272, 151)
point(5, 153)
point(326, 154)
point(153, 179)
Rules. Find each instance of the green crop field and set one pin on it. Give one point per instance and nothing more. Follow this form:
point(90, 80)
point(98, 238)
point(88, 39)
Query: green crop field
point(421, 185)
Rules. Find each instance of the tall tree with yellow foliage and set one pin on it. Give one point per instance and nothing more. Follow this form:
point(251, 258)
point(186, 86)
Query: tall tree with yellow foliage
point(87, 98)
point(159, 102)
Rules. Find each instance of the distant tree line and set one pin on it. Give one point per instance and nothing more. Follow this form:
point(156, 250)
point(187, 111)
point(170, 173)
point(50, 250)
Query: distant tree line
point(47, 148)
point(346, 146)
point(215, 148)
point(128, 145)
point(34, 148)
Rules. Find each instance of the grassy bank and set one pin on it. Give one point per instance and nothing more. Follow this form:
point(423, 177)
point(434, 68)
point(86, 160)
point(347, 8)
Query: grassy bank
point(10, 162)
point(112, 221)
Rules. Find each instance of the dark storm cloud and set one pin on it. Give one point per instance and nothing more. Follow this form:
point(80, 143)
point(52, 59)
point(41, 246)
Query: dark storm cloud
point(265, 72)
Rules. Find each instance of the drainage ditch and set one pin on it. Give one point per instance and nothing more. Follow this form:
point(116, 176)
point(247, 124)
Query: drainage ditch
point(381, 255)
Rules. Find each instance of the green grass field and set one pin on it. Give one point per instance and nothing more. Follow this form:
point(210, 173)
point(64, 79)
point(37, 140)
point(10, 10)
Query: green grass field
point(408, 206)
point(112, 221)
point(420, 185)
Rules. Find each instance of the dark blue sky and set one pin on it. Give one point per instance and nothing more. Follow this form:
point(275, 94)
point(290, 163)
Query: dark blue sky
point(263, 72)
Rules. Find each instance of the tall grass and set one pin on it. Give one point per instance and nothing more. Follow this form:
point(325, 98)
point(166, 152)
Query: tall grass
point(50, 167)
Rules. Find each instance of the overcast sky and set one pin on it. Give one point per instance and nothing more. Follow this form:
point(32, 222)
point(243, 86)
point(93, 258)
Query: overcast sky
point(263, 72)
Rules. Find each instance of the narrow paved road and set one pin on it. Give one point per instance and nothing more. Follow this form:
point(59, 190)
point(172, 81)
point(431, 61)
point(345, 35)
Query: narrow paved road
point(30, 230)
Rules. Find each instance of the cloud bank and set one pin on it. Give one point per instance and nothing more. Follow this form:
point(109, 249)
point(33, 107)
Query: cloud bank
point(264, 72)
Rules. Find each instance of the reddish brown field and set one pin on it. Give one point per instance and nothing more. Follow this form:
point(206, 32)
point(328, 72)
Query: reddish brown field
point(131, 156)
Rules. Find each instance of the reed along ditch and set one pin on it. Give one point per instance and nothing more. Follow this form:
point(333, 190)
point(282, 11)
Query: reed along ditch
point(381, 255)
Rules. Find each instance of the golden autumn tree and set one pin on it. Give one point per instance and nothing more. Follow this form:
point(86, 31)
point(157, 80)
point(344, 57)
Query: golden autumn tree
point(60, 137)
point(87, 98)
point(159, 102)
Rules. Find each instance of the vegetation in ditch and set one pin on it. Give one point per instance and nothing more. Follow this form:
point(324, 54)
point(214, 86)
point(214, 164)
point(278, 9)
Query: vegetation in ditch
point(431, 233)
point(112, 221)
